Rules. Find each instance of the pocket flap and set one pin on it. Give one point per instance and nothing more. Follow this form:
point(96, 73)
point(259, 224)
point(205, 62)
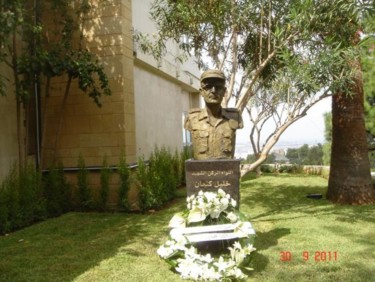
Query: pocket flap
point(227, 134)
point(203, 134)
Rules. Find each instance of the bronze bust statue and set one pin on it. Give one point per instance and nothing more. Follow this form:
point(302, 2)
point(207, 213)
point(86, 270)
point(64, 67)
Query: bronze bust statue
point(213, 128)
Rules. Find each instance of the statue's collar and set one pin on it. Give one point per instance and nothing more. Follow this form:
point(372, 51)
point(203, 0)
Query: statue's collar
point(204, 115)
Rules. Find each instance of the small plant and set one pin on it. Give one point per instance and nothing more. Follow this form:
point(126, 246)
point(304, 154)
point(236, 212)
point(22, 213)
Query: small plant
point(266, 168)
point(84, 191)
point(21, 198)
point(105, 173)
point(57, 192)
point(31, 197)
point(184, 156)
point(124, 174)
point(292, 168)
point(9, 203)
point(158, 179)
point(177, 168)
point(146, 194)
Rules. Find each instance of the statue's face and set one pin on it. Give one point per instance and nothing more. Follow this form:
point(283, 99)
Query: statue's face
point(213, 90)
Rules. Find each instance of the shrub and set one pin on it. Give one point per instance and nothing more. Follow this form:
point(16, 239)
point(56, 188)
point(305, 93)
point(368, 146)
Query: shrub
point(84, 192)
point(21, 199)
point(124, 187)
point(105, 173)
point(9, 203)
point(177, 167)
point(185, 155)
point(146, 191)
point(291, 168)
point(267, 168)
point(158, 180)
point(57, 192)
point(31, 200)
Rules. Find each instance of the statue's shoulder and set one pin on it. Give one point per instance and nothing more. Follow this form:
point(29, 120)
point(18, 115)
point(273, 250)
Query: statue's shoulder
point(192, 118)
point(234, 116)
point(231, 113)
point(195, 111)
point(231, 110)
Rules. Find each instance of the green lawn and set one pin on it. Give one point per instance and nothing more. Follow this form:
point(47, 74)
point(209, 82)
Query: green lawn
point(122, 247)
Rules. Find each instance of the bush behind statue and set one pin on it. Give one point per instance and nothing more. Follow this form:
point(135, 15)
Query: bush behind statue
point(159, 178)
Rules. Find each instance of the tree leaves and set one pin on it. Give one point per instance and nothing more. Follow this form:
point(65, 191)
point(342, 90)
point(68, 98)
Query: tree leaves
point(39, 56)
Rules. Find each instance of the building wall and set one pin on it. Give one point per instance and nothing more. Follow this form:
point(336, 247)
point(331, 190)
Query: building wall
point(160, 104)
point(145, 109)
point(97, 132)
point(8, 133)
point(164, 90)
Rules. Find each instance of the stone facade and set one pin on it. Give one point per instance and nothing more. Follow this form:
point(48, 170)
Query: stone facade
point(96, 132)
point(121, 124)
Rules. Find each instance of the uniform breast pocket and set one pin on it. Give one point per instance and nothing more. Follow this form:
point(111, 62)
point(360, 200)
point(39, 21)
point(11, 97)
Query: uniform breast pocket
point(202, 141)
point(226, 141)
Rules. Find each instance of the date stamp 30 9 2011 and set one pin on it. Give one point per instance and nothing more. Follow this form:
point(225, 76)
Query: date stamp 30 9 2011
point(317, 256)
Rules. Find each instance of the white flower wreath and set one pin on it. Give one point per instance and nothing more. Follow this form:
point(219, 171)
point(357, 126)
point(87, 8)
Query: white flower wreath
point(209, 208)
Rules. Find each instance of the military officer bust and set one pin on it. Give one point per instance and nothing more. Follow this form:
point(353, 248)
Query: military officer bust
point(213, 128)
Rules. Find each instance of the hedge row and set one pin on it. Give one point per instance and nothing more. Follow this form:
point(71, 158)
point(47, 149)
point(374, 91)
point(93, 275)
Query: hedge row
point(28, 196)
point(295, 168)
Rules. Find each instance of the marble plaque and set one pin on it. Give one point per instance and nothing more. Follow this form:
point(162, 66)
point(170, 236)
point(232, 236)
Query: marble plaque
point(212, 175)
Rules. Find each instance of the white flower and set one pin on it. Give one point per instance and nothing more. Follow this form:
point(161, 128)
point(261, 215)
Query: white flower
point(164, 252)
point(190, 199)
point(221, 193)
point(191, 252)
point(243, 229)
point(237, 253)
point(248, 249)
point(215, 213)
point(232, 217)
point(222, 264)
point(188, 268)
point(169, 243)
point(180, 240)
point(210, 196)
point(196, 215)
point(210, 273)
point(225, 202)
point(237, 245)
point(239, 256)
point(237, 273)
point(233, 203)
point(217, 202)
point(177, 221)
point(207, 258)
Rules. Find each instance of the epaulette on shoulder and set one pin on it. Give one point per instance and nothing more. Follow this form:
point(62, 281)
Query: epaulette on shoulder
point(195, 110)
point(231, 110)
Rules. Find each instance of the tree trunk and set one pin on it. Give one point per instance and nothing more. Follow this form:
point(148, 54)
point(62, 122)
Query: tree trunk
point(350, 178)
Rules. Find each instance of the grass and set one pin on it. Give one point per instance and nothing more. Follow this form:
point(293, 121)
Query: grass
point(122, 247)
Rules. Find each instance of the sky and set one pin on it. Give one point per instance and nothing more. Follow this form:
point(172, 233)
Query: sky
point(308, 130)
